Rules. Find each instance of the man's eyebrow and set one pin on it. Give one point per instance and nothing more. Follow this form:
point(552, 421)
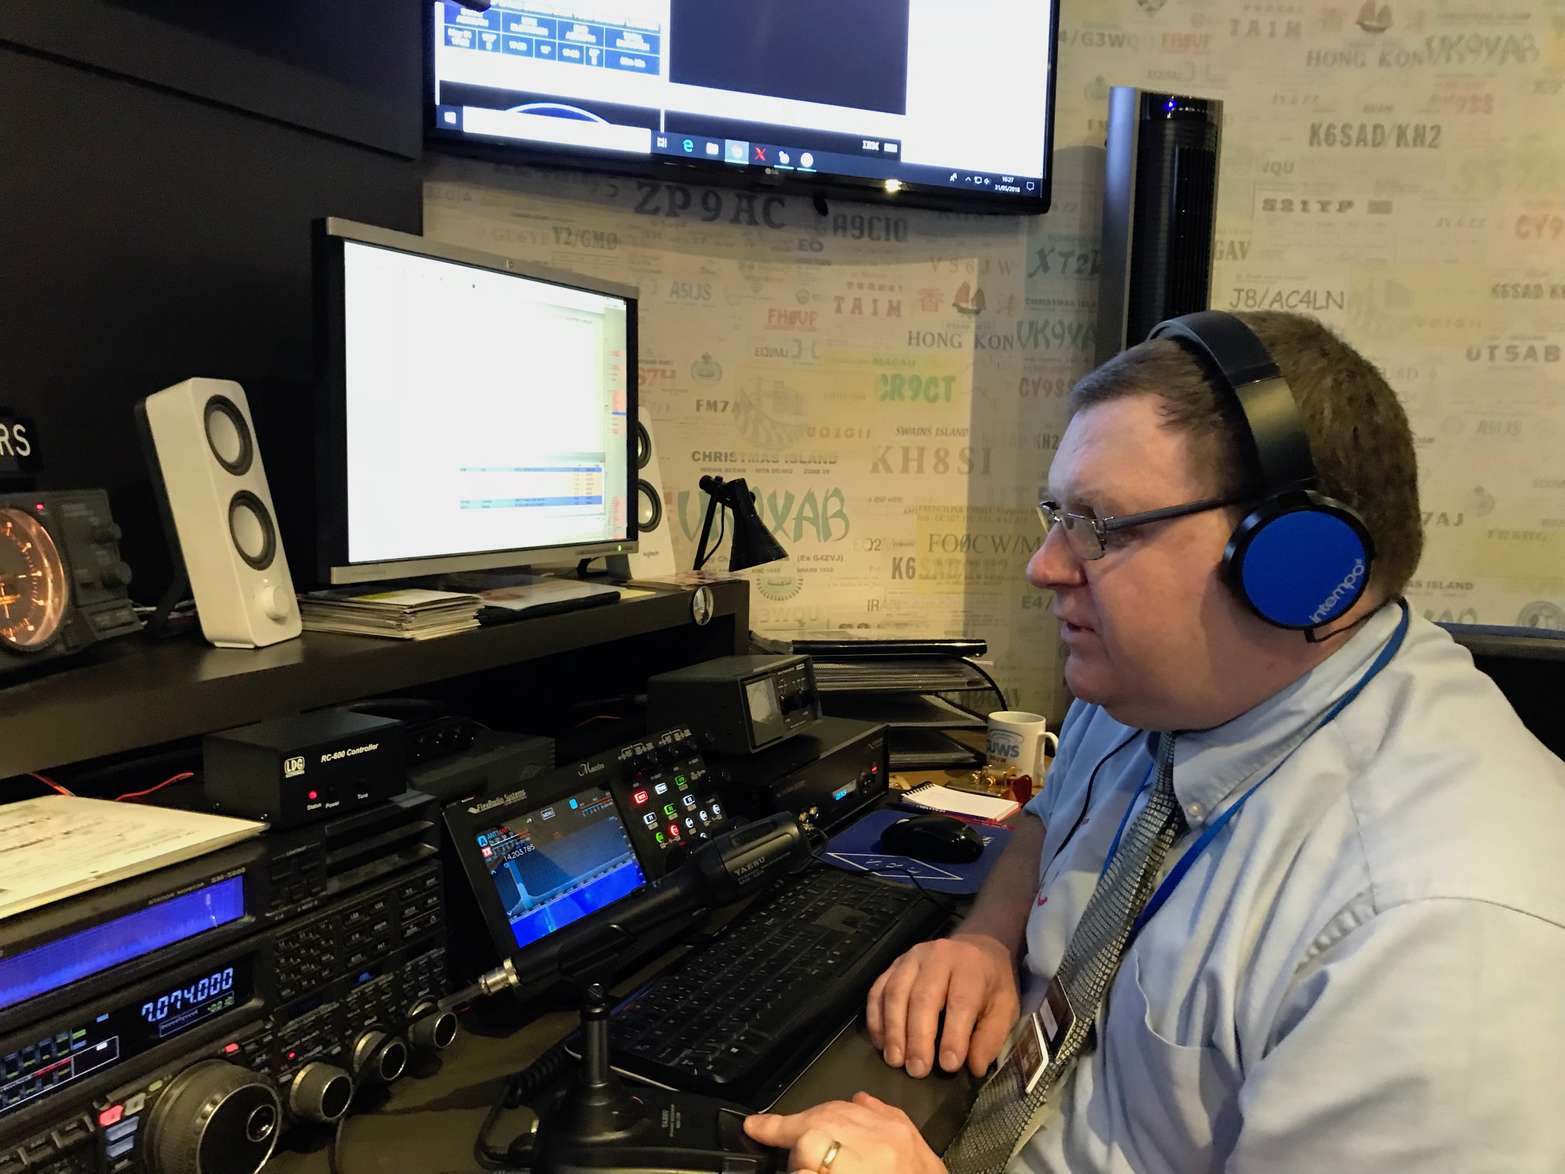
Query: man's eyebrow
point(1088, 497)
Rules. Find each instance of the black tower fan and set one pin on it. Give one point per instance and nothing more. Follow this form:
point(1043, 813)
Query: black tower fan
point(1159, 212)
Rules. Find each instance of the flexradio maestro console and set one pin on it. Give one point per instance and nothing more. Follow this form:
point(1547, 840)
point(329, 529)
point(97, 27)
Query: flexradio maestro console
point(570, 841)
point(662, 787)
point(181, 1021)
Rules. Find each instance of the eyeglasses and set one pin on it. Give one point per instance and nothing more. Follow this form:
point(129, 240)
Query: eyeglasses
point(1088, 534)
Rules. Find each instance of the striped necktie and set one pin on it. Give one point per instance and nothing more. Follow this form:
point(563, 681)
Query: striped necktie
point(1000, 1115)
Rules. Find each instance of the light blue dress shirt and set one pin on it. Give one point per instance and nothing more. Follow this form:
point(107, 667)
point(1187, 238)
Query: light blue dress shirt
point(1364, 971)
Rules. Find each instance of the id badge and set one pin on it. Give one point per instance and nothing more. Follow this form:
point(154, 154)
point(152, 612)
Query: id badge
point(1056, 1015)
point(1038, 1037)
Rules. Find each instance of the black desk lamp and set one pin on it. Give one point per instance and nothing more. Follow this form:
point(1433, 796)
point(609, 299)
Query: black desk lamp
point(753, 543)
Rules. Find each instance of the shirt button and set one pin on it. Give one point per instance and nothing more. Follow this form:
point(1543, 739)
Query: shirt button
point(1194, 810)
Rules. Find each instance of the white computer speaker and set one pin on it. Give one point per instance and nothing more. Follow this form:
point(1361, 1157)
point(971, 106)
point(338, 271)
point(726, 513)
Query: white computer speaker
point(207, 467)
point(654, 557)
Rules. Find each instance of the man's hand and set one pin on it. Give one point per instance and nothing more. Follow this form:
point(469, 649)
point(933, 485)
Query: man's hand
point(972, 977)
point(871, 1137)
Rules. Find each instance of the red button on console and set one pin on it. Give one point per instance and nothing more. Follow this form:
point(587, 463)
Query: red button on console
point(111, 1115)
point(640, 797)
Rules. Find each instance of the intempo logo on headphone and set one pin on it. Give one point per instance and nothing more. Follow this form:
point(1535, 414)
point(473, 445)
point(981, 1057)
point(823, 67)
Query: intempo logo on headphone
point(1329, 604)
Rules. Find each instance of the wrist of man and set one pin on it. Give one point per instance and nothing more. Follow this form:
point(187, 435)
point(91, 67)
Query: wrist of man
point(989, 935)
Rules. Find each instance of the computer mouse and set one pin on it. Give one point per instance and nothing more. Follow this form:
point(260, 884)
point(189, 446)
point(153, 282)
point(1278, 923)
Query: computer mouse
point(935, 839)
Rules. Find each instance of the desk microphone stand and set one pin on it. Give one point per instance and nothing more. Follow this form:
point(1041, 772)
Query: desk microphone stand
point(597, 1123)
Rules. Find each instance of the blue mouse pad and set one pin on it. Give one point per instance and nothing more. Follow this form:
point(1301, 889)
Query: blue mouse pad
point(857, 849)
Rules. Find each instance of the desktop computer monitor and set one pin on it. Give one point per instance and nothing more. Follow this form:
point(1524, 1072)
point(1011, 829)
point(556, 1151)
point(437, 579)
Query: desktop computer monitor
point(475, 414)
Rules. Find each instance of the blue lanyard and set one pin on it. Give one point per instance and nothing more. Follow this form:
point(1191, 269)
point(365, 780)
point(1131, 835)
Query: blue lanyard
point(1146, 782)
point(1177, 873)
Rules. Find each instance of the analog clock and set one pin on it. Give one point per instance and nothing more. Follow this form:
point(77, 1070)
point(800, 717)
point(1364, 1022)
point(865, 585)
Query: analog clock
point(34, 587)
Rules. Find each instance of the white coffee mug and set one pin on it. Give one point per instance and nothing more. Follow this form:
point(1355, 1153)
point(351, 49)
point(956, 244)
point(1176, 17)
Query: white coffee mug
point(1017, 739)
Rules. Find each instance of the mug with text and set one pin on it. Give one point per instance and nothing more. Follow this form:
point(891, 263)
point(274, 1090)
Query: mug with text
point(1017, 739)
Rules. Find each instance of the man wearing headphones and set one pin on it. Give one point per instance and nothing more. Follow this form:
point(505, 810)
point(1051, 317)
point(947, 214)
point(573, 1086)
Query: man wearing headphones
point(1291, 900)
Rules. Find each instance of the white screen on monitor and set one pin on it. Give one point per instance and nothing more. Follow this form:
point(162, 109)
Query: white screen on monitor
point(485, 411)
point(948, 93)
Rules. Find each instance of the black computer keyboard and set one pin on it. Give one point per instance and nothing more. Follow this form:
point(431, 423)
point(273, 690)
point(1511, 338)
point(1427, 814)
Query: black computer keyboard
point(743, 1015)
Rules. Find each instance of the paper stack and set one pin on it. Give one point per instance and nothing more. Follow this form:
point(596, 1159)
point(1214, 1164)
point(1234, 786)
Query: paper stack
point(406, 614)
point(57, 846)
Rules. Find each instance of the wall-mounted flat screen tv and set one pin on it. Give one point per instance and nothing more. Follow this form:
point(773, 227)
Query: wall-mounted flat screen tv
point(944, 103)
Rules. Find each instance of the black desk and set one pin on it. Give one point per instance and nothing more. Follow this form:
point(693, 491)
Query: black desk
point(135, 693)
point(429, 1123)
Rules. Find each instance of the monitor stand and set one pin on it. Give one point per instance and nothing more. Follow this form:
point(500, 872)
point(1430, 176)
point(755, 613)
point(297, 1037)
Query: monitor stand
point(616, 568)
point(476, 581)
point(517, 593)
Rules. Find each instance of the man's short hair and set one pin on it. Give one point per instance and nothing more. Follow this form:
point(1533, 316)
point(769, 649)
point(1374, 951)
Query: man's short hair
point(1359, 434)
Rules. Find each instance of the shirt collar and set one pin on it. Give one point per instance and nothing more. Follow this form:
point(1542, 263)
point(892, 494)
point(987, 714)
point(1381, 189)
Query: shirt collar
point(1209, 765)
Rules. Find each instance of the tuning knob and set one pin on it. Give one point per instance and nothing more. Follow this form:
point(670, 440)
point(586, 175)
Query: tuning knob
point(321, 1093)
point(214, 1118)
point(379, 1057)
point(117, 575)
point(431, 1029)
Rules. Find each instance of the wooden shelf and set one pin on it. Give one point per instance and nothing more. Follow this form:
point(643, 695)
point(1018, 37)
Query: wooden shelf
point(134, 693)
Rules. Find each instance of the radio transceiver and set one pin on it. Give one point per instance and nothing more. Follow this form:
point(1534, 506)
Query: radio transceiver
point(181, 1020)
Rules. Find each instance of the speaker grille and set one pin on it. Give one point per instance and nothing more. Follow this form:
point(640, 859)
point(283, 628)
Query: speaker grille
point(649, 507)
point(643, 445)
point(250, 527)
point(227, 435)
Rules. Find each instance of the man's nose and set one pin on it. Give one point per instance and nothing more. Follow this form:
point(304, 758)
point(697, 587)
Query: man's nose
point(1054, 564)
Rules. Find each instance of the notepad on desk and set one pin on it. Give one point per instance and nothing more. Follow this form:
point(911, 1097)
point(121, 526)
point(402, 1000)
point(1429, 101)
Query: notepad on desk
point(938, 797)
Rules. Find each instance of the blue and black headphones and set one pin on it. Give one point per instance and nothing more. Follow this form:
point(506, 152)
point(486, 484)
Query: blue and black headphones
point(1299, 559)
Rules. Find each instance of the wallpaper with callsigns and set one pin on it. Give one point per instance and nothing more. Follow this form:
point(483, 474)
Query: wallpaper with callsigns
point(890, 380)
